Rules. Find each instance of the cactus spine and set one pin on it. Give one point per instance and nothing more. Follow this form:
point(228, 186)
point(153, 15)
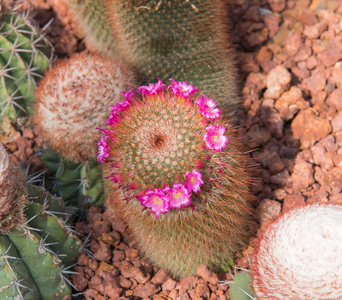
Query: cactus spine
point(183, 39)
point(24, 56)
point(35, 254)
point(156, 159)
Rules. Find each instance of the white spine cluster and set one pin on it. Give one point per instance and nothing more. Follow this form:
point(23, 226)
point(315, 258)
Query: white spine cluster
point(300, 255)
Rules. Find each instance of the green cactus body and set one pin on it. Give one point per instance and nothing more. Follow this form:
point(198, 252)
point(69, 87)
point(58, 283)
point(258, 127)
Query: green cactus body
point(155, 153)
point(79, 184)
point(188, 40)
point(24, 56)
point(34, 255)
point(96, 28)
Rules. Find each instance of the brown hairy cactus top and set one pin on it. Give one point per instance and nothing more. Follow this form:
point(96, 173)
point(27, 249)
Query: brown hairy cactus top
point(12, 193)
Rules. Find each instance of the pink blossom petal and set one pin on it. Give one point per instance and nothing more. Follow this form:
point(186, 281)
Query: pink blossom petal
point(151, 89)
point(128, 95)
point(103, 150)
point(193, 180)
point(215, 138)
point(182, 89)
point(156, 200)
point(207, 108)
point(179, 196)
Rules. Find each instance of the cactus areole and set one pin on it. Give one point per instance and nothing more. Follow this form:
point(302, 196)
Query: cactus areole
point(159, 146)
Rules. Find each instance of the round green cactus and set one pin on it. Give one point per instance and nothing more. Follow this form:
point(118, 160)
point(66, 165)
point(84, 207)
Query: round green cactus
point(78, 184)
point(24, 56)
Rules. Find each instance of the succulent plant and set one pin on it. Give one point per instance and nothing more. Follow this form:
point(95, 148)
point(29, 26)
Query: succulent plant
point(73, 99)
point(24, 56)
point(299, 255)
point(40, 247)
point(183, 39)
point(95, 26)
point(178, 178)
point(78, 184)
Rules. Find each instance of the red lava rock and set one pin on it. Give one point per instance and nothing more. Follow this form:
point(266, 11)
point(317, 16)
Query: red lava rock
point(336, 74)
point(290, 103)
point(127, 269)
point(131, 253)
point(316, 82)
point(282, 178)
point(332, 53)
point(204, 272)
point(272, 23)
point(292, 201)
point(278, 80)
point(94, 214)
point(257, 136)
point(146, 290)
point(277, 5)
point(169, 284)
point(124, 282)
point(105, 268)
point(336, 122)
point(268, 210)
point(99, 227)
point(187, 283)
point(292, 42)
point(103, 253)
point(28, 134)
point(321, 157)
point(111, 286)
point(264, 58)
point(201, 291)
point(302, 175)
point(314, 31)
point(335, 99)
point(254, 39)
point(271, 118)
point(118, 255)
point(79, 281)
point(332, 178)
point(143, 274)
point(160, 277)
point(309, 128)
point(311, 62)
point(275, 164)
point(302, 54)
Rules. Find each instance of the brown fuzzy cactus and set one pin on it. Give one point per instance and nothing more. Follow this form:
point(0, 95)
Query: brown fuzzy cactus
point(74, 98)
point(179, 178)
point(12, 193)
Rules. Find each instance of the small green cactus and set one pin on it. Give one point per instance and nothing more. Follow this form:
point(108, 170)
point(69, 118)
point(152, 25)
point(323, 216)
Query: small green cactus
point(78, 184)
point(178, 178)
point(35, 254)
point(24, 56)
point(179, 39)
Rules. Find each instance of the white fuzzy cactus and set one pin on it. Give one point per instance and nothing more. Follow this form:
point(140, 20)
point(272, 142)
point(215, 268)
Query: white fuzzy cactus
point(73, 99)
point(300, 255)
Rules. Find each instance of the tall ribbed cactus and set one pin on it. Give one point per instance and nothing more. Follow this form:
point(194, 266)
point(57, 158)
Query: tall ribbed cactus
point(183, 39)
point(179, 178)
point(95, 26)
point(35, 254)
point(24, 56)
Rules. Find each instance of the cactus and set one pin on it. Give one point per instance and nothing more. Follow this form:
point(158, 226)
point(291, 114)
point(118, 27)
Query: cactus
point(178, 178)
point(96, 28)
point(24, 56)
point(73, 99)
point(35, 254)
point(240, 288)
point(299, 255)
point(78, 184)
point(184, 39)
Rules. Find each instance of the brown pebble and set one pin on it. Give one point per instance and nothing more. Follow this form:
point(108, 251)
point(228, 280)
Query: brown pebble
point(204, 272)
point(160, 277)
point(146, 290)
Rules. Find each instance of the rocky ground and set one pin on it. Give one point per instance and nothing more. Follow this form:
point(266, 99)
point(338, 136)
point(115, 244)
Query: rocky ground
point(290, 59)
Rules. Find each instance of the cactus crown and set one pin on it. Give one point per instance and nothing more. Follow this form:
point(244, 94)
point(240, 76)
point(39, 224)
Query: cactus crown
point(161, 145)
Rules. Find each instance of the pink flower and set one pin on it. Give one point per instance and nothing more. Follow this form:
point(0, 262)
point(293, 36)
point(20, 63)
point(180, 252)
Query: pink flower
point(151, 89)
point(214, 138)
point(178, 196)
point(182, 89)
point(103, 151)
point(157, 201)
point(207, 108)
point(128, 96)
point(193, 181)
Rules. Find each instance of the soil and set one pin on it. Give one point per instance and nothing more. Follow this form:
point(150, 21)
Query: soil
point(290, 60)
